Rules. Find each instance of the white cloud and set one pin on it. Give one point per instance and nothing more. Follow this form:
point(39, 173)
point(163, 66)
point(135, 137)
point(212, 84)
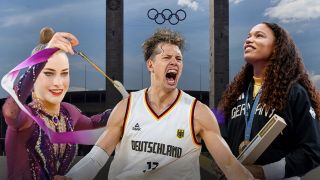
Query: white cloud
point(189, 3)
point(20, 16)
point(288, 11)
point(10, 21)
point(316, 80)
point(235, 1)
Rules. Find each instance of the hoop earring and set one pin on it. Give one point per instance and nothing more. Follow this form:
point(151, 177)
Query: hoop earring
point(37, 101)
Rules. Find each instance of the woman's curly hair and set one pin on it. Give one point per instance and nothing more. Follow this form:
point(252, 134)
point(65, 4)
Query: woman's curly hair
point(285, 69)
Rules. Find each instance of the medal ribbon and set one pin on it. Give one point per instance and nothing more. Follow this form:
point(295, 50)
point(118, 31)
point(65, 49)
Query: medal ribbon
point(249, 119)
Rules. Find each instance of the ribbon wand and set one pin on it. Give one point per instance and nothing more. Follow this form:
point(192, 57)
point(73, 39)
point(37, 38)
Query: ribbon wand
point(117, 84)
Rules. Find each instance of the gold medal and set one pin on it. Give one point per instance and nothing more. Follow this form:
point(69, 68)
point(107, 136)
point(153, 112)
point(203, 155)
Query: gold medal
point(243, 145)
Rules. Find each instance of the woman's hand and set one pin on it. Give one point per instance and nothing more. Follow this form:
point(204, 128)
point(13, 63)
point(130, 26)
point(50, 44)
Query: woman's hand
point(64, 41)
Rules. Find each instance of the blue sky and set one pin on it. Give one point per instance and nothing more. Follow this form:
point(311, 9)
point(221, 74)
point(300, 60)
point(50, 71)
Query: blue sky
point(20, 22)
point(301, 18)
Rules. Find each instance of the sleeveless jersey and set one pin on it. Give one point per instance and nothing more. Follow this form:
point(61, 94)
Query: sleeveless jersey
point(157, 146)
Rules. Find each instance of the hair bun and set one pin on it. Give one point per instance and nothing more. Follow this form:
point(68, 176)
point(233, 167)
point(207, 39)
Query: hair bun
point(46, 34)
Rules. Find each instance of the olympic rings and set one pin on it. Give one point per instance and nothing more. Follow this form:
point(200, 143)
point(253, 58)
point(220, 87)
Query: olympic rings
point(166, 15)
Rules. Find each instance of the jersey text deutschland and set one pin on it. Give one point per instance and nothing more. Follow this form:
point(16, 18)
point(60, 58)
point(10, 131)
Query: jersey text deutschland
point(157, 148)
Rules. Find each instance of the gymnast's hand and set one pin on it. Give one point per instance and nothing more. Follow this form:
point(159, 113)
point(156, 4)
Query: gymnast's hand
point(64, 41)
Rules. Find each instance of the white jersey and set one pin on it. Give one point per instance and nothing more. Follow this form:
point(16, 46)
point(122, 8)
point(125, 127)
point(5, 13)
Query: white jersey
point(157, 146)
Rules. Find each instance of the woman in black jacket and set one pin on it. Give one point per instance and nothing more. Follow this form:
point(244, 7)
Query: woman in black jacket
point(274, 81)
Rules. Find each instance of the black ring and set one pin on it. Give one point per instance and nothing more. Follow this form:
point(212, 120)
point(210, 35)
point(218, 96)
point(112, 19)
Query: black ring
point(169, 15)
point(174, 22)
point(166, 15)
point(161, 16)
point(155, 16)
point(185, 14)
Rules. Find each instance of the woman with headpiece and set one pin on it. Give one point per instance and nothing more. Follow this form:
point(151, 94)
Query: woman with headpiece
point(274, 81)
point(30, 153)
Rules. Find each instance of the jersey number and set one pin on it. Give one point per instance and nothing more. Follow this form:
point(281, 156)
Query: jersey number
point(151, 166)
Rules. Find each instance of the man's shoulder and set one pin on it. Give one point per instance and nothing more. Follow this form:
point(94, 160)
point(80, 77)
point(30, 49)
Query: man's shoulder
point(138, 93)
point(201, 110)
point(187, 97)
point(201, 106)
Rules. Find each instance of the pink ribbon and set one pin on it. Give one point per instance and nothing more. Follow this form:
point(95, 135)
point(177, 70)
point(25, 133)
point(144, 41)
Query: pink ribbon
point(88, 137)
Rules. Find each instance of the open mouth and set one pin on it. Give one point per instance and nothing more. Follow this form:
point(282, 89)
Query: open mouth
point(56, 92)
point(171, 76)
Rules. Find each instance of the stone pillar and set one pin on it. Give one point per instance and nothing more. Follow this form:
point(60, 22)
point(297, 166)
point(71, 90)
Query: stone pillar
point(114, 51)
point(219, 49)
